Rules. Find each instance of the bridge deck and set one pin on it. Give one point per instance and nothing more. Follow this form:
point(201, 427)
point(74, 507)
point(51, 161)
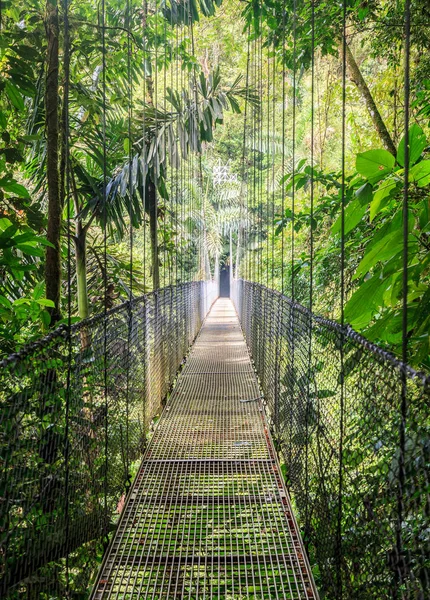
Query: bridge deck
point(208, 515)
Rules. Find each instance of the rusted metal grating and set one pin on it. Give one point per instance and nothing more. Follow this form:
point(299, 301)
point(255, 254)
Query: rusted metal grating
point(208, 515)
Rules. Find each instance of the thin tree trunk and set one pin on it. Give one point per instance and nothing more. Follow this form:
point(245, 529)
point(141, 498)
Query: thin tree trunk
point(81, 272)
point(53, 254)
point(378, 122)
point(208, 273)
point(216, 272)
point(238, 250)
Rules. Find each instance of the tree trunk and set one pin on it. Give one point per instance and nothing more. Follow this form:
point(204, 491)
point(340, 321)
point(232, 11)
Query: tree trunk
point(81, 272)
point(53, 255)
point(81, 281)
point(208, 273)
point(357, 78)
point(216, 273)
point(238, 250)
point(151, 204)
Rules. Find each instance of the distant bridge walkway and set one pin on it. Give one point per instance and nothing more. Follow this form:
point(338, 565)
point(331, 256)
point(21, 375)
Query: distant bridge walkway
point(208, 515)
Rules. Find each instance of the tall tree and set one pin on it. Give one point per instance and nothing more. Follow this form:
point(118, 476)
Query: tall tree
point(53, 253)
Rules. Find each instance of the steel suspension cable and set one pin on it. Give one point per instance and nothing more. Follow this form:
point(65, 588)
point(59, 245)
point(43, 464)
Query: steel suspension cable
point(178, 162)
point(260, 150)
point(254, 170)
point(342, 310)
point(268, 154)
point(105, 381)
point(244, 161)
point(311, 276)
point(274, 102)
point(293, 191)
point(283, 150)
point(166, 276)
point(156, 168)
point(405, 261)
point(128, 23)
point(182, 173)
point(144, 133)
point(67, 196)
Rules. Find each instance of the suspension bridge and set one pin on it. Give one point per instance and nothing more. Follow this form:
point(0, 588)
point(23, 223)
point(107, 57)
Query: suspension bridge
point(206, 513)
point(180, 444)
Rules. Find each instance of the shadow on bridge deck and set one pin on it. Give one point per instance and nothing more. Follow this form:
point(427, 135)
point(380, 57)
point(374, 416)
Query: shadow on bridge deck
point(208, 515)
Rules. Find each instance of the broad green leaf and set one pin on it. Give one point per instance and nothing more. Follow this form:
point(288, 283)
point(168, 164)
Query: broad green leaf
point(382, 196)
point(417, 143)
point(3, 120)
point(366, 299)
point(424, 214)
point(31, 138)
point(8, 234)
point(14, 95)
point(45, 318)
point(364, 194)
point(38, 291)
point(374, 165)
point(5, 224)
point(24, 237)
point(383, 250)
point(354, 212)
point(384, 245)
point(5, 302)
point(389, 327)
point(31, 250)
point(22, 302)
point(45, 302)
point(420, 173)
point(13, 187)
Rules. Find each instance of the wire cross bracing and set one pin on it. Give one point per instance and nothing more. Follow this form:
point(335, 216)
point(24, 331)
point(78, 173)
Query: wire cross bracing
point(208, 515)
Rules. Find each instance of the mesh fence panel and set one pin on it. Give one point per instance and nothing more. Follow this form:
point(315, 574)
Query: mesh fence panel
point(75, 411)
point(362, 495)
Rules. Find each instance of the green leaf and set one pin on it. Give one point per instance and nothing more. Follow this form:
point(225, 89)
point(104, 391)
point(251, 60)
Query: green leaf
point(45, 302)
point(24, 237)
point(5, 224)
point(420, 173)
point(354, 212)
point(364, 194)
point(38, 290)
point(383, 250)
point(424, 214)
point(417, 143)
point(382, 196)
point(366, 299)
point(11, 186)
point(45, 317)
point(14, 95)
point(30, 250)
point(5, 302)
point(374, 165)
point(3, 120)
point(22, 302)
point(384, 245)
point(8, 234)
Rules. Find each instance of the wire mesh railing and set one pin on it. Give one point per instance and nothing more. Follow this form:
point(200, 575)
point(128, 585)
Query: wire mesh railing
point(360, 487)
point(75, 409)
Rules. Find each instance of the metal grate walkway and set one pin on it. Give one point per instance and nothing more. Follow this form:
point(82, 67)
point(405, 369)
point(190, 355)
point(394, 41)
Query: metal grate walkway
point(208, 515)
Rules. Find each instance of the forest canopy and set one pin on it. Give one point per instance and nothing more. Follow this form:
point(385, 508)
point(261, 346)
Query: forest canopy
point(174, 96)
